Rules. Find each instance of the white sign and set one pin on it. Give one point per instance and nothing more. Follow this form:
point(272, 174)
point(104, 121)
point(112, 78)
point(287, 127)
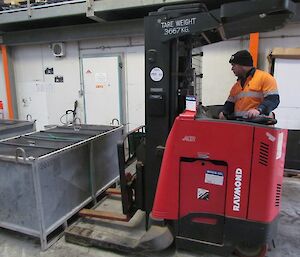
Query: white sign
point(156, 74)
point(175, 27)
point(190, 103)
point(214, 177)
point(100, 78)
point(279, 146)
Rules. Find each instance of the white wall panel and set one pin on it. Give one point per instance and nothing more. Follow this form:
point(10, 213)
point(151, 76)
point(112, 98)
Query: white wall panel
point(32, 100)
point(286, 74)
point(2, 88)
point(217, 75)
point(37, 93)
point(135, 77)
point(28, 63)
point(29, 82)
point(61, 96)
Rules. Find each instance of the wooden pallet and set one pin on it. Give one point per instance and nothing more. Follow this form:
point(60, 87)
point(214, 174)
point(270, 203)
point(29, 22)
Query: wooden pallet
point(105, 226)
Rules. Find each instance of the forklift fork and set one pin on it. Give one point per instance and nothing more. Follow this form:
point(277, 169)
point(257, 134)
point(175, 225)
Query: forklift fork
point(157, 237)
point(131, 183)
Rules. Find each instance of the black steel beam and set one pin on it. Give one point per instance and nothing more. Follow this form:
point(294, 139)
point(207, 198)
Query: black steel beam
point(75, 33)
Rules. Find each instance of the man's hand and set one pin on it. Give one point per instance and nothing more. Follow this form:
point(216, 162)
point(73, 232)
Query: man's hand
point(222, 116)
point(252, 113)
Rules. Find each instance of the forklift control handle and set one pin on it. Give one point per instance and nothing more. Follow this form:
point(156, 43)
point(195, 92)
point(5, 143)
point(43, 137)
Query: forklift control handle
point(261, 119)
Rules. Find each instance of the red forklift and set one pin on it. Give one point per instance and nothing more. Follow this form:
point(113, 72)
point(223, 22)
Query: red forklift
point(217, 184)
point(220, 185)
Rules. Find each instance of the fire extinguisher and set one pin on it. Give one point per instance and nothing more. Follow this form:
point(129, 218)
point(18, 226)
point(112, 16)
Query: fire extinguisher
point(1, 110)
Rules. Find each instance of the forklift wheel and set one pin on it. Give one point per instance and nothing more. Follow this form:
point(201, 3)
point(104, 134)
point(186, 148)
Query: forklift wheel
point(251, 251)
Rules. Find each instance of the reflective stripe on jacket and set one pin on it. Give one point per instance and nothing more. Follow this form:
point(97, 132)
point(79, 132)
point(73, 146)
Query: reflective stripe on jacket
point(256, 88)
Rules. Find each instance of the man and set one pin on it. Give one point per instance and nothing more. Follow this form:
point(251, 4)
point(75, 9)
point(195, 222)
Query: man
point(255, 92)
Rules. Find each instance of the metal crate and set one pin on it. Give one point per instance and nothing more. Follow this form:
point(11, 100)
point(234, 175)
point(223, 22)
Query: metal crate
point(10, 128)
point(48, 176)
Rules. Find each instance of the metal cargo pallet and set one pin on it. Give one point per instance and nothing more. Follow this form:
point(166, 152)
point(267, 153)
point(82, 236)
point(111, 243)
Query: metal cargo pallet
point(48, 176)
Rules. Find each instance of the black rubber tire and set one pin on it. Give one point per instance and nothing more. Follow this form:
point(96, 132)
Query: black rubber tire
point(256, 251)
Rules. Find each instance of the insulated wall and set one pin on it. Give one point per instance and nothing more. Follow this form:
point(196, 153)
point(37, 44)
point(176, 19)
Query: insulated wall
point(217, 75)
point(39, 93)
point(47, 86)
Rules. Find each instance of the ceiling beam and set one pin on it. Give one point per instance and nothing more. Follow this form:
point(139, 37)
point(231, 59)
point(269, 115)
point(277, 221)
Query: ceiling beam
point(77, 7)
point(90, 12)
point(75, 33)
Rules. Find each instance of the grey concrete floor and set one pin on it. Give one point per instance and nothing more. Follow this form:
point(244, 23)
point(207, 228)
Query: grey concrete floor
point(17, 245)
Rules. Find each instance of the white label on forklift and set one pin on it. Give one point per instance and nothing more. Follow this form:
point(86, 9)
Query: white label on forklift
point(156, 74)
point(279, 146)
point(214, 177)
point(190, 103)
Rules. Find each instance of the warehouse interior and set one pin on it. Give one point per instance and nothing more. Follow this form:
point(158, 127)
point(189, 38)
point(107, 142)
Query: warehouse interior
point(99, 99)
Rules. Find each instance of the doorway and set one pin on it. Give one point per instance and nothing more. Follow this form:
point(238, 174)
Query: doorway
point(102, 89)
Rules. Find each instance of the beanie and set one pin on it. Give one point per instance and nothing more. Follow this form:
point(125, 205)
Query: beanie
point(242, 57)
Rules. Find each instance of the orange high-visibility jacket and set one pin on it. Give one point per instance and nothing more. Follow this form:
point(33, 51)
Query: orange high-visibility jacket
point(255, 89)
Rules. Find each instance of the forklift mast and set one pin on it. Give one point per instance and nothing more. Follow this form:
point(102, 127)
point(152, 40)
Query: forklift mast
point(171, 34)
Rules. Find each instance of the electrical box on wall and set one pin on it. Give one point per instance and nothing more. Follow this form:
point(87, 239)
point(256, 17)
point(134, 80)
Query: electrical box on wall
point(58, 49)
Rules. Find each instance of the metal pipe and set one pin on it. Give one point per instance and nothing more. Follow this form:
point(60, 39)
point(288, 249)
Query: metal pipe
point(39, 205)
point(54, 139)
point(111, 47)
point(31, 145)
point(92, 172)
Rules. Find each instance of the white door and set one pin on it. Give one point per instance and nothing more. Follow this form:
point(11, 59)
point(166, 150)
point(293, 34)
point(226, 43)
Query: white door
point(101, 77)
point(288, 112)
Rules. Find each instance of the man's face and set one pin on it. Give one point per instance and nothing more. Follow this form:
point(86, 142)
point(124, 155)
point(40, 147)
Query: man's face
point(238, 70)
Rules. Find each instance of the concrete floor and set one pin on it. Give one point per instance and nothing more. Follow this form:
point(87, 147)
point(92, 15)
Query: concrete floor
point(17, 245)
